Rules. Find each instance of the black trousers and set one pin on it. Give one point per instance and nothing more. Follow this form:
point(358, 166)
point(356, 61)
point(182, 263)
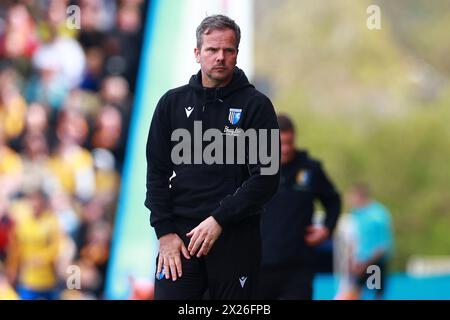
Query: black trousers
point(286, 282)
point(230, 271)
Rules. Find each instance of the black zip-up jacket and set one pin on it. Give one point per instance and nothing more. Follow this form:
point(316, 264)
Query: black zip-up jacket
point(283, 227)
point(228, 192)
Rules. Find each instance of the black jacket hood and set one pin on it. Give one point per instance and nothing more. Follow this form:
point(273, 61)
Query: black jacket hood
point(238, 82)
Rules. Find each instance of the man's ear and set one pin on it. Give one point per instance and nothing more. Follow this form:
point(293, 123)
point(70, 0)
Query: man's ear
point(197, 54)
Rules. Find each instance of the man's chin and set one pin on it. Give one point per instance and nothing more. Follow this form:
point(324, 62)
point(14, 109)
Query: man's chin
point(219, 76)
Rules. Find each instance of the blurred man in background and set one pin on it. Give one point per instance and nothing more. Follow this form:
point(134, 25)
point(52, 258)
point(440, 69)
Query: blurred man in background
point(34, 250)
point(288, 233)
point(371, 230)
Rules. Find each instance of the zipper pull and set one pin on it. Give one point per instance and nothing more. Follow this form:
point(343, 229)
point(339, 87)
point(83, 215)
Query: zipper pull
point(203, 108)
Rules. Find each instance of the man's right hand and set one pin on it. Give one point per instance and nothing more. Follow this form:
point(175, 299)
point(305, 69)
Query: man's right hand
point(170, 246)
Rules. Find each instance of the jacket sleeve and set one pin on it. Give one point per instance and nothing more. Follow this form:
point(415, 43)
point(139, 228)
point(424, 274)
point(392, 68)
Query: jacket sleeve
point(329, 198)
point(259, 188)
point(159, 170)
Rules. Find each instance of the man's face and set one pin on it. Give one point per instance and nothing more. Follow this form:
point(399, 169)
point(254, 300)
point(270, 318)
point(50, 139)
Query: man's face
point(355, 199)
point(217, 57)
point(37, 202)
point(287, 139)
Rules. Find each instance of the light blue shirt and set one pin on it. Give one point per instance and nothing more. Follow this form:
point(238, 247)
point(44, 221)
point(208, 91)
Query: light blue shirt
point(372, 228)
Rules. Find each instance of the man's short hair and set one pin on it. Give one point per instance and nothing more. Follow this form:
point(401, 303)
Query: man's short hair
point(285, 123)
point(217, 22)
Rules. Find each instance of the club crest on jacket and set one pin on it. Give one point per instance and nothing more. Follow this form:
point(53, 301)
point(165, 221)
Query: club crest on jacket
point(234, 116)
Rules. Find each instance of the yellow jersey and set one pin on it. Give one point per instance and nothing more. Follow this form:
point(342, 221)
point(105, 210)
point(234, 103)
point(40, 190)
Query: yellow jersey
point(37, 241)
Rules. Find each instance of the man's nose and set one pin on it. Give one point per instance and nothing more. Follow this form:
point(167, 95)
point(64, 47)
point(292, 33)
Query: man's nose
point(220, 55)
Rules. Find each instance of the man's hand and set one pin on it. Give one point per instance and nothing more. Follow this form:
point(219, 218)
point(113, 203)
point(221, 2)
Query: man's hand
point(316, 235)
point(358, 268)
point(204, 236)
point(170, 246)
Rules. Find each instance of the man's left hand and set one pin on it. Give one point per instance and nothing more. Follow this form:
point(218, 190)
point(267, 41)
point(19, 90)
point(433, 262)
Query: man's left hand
point(358, 268)
point(316, 235)
point(203, 237)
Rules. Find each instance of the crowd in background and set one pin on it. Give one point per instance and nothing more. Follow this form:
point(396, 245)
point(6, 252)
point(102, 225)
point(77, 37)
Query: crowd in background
point(65, 103)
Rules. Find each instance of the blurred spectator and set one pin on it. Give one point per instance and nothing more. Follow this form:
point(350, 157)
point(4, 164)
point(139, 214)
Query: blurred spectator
point(59, 61)
point(72, 127)
point(35, 158)
point(371, 230)
point(107, 179)
point(47, 85)
point(97, 244)
point(37, 119)
point(12, 104)
point(123, 42)
point(68, 58)
point(71, 163)
point(114, 90)
point(60, 66)
point(53, 21)
point(6, 226)
point(10, 168)
point(69, 220)
point(98, 15)
point(34, 250)
point(96, 250)
point(92, 212)
point(94, 68)
point(38, 122)
point(107, 133)
point(86, 102)
point(92, 27)
point(19, 38)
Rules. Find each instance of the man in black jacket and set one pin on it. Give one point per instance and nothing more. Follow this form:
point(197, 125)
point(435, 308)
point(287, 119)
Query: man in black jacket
point(288, 232)
point(206, 199)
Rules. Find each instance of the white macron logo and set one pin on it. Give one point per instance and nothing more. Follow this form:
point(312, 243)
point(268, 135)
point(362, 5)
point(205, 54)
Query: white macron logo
point(188, 111)
point(242, 281)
